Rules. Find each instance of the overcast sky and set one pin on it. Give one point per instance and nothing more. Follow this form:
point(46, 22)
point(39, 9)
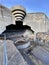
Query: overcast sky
point(30, 5)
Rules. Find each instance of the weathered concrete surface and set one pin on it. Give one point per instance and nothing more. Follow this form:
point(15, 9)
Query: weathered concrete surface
point(37, 21)
point(42, 54)
point(36, 61)
point(5, 18)
point(14, 56)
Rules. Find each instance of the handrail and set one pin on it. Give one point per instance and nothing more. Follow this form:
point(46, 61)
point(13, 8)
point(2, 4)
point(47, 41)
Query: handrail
point(5, 58)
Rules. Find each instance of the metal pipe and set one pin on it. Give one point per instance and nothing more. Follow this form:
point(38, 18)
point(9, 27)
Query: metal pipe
point(5, 61)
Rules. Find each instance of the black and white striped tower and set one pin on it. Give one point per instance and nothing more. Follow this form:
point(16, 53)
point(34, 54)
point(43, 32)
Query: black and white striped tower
point(19, 12)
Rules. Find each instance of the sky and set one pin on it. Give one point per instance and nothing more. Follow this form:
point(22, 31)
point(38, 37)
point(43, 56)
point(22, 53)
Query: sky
point(30, 5)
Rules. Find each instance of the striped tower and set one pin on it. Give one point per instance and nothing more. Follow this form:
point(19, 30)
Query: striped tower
point(19, 12)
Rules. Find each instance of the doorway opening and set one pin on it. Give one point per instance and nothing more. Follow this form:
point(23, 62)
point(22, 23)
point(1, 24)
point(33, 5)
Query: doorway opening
point(18, 26)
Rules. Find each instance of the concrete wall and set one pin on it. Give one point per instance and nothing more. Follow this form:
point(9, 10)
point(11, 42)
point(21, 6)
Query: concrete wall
point(5, 18)
point(47, 22)
point(37, 21)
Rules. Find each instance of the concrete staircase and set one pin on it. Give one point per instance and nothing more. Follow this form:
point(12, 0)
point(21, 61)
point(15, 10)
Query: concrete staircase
point(14, 56)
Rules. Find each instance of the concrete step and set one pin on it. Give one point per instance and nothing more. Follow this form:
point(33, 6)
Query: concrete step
point(14, 56)
point(41, 53)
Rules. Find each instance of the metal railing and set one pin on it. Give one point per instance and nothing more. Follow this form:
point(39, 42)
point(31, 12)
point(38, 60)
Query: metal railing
point(5, 58)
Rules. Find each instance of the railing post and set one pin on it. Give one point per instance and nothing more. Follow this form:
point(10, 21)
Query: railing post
point(5, 61)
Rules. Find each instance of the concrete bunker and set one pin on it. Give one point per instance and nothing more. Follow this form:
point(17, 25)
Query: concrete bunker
point(19, 13)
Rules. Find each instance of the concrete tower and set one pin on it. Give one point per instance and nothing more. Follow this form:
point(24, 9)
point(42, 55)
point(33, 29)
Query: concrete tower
point(19, 12)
